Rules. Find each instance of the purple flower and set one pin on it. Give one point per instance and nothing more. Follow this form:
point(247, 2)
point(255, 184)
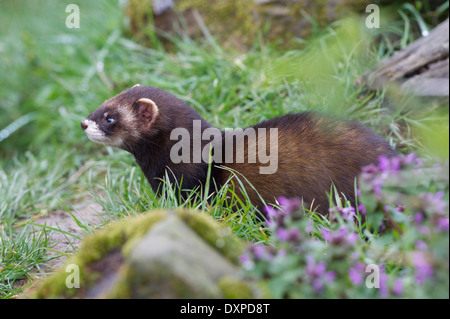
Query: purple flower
point(326, 234)
point(369, 170)
point(282, 234)
point(433, 203)
point(317, 273)
point(330, 276)
point(397, 289)
point(355, 276)
point(331, 214)
point(396, 163)
point(270, 211)
point(321, 268)
point(314, 269)
point(377, 183)
point(418, 218)
point(351, 238)
point(423, 269)
point(384, 289)
point(361, 267)
point(442, 224)
point(259, 251)
point(244, 258)
point(339, 237)
point(377, 191)
point(399, 209)
point(348, 212)
point(356, 272)
point(343, 231)
point(289, 205)
point(294, 235)
point(318, 285)
point(410, 159)
point(362, 209)
point(421, 245)
point(384, 163)
point(318, 282)
point(283, 201)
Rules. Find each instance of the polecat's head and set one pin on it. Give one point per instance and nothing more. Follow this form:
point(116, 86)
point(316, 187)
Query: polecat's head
point(123, 119)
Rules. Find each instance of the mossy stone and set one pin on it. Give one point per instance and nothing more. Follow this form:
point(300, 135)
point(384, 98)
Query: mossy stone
point(106, 259)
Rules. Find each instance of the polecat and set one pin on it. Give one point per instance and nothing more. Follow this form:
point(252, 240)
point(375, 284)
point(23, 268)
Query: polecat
point(164, 133)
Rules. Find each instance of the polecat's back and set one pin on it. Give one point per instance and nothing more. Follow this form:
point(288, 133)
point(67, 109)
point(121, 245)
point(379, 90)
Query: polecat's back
point(313, 152)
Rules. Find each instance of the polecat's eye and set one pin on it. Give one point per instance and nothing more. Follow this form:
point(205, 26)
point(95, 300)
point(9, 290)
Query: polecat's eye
point(110, 120)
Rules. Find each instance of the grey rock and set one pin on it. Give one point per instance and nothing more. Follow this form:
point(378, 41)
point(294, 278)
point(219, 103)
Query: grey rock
point(172, 261)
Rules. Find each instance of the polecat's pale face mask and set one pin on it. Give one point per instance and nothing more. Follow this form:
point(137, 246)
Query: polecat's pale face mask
point(115, 121)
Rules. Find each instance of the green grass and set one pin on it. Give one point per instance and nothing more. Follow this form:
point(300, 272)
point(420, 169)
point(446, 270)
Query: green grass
point(52, 80)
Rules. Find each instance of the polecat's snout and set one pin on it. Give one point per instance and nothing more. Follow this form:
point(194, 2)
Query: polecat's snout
point(84, 126)
point(100, 133)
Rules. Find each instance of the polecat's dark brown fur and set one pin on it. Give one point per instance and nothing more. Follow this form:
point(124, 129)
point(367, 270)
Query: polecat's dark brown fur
point(143, 129)
point(313, 151)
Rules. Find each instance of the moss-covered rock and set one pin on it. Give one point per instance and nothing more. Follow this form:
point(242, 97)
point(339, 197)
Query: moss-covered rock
point(181, 254)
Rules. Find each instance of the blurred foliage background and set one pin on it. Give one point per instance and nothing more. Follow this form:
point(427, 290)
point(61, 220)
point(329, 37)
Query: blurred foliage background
point(53, 76)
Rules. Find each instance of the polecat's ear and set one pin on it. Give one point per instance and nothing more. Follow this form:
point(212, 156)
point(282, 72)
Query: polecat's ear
point(147, 111)
point(136, 85)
